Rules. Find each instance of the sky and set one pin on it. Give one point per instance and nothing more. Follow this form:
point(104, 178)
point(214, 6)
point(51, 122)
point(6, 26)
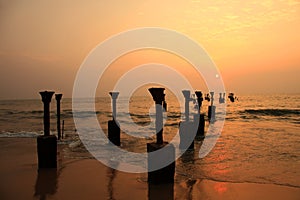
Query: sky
point(254, 44)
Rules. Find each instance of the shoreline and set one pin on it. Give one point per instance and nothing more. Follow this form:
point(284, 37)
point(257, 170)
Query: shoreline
point(77, 178)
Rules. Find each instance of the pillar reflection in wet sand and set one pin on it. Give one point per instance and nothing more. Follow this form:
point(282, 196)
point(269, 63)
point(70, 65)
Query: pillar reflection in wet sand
point(165, 174)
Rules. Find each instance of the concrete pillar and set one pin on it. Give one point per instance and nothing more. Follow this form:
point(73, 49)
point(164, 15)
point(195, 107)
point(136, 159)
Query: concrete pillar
point(186, 127)
point(199, 100)
point(211, 108)
point(47, 144)
point(186, 130)
point(165, 174)
point(63, 129)
point(199, 118)
point(114, 131)
point(46, 98)
point(158, 97)
point(222, 98)
point(165, 106)
point(114, 96)
point(212, 98)
point(187, 97)
point(211, 112)
point(58, 98)
point(162, 191)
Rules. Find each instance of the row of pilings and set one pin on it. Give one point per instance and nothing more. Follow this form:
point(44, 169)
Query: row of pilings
point(188, 131)
point(47, 144)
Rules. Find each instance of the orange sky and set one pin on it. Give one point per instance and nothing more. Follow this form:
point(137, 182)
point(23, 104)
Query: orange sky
point(255, 44)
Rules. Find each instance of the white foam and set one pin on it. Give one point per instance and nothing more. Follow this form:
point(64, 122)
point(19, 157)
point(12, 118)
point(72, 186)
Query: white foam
point(21, 134)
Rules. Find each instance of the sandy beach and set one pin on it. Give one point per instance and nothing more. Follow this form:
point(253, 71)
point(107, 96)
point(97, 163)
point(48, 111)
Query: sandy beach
point(77, 178)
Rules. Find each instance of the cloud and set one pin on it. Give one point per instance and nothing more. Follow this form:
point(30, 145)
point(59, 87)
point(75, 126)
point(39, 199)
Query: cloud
point(218, 19)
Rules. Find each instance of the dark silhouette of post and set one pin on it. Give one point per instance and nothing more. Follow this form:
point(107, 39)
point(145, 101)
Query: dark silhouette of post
point(199, 118)
point(212, 98)
point(211, 108)
point(187, 97)
point(47, 144)
point(114, 96)
point(58, 98)
point(207, 98)
point(162, 191)
point(165, 174)
point(165, 106)
point(222, 98)
point(186, 127)
point(113, 125)
point(231, 97)
point(199, 100)
point(158, 97)
point(63, 129)
point(46, 98)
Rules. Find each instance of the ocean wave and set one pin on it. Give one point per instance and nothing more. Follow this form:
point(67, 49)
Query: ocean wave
point(172, 124)
point(64, 113)
point(140, 116)
point(257, 180)
point(22, 134)
point(272, 112)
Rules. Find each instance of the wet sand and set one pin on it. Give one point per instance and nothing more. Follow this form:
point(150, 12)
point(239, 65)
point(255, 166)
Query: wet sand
point(77, 178)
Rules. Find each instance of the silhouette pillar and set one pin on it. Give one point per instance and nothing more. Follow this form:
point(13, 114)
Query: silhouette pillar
point(63, 129)
point(211, 108)
point(199, 100)
point(187, 97)
point(199, 118)
point(158, 97)
point(165, 106)
point(47, 144)
point(222, 98)
point(113, 125)
point(58, 98)
point(186, 127)
point(162, 191)
point(46, 98)
point(165, 174)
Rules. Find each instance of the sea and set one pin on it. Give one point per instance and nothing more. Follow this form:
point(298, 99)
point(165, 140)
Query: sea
point(259, 142)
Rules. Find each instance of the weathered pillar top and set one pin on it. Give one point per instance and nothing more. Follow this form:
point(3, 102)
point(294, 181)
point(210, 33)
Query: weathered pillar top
point(46, 96)
point(157, 94)
point(58, 97)
point(199, 98)
point(199, 94)
point(186, 94)
point(114, 95)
